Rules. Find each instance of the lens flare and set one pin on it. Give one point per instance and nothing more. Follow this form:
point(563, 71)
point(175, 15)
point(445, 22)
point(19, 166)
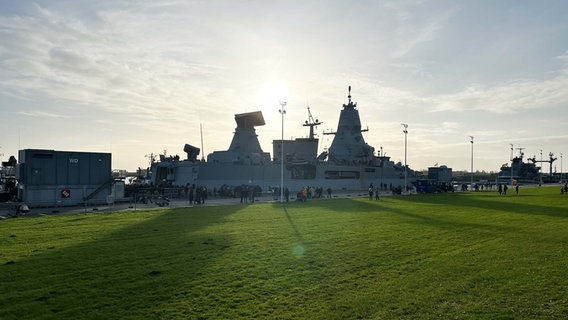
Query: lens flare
point(298, 251)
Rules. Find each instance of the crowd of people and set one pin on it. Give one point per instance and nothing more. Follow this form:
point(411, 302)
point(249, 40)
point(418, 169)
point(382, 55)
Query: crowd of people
point(199, 194)
point(303, 194)
point(196, 194)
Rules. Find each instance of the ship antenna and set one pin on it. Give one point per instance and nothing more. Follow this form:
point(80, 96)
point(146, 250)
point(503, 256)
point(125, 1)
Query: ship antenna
point(311, 123)
point(511, 151)
point(202, 150)
point(349, 96)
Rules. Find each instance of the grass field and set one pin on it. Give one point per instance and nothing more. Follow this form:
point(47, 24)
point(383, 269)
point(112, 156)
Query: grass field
point(459, 256)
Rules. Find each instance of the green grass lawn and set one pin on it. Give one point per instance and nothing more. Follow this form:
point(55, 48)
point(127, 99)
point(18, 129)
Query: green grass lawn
point(460, 256)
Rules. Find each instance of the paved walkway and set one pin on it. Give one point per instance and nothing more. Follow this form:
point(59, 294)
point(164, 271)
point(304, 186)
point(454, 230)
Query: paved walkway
point(7, 209)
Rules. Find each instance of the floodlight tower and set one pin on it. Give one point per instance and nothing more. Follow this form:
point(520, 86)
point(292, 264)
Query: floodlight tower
point(471, 162)
point(512, 163)
point(405, 135)
point(282, 112)
point(561, 174)
point(540, 167)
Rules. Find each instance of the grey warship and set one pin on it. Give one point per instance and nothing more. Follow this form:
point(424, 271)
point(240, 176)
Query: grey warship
point(348, 164)
point(526, 172)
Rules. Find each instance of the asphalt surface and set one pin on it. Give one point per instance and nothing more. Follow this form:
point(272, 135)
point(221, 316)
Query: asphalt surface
point(7, 210)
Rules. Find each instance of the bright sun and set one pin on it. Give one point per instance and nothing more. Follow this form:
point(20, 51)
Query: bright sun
point(270, 94)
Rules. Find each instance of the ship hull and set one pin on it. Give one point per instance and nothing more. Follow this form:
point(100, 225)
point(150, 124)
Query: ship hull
point(268, 176)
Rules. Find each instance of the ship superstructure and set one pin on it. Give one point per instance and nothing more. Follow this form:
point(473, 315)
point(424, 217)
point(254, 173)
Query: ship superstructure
point(518, 171)
point(244, 148)
point(349, 163)
point(348, 146)
point(526, 172)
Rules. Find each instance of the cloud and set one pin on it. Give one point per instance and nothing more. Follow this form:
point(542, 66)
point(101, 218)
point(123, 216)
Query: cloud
point(413, 27)
point(69, 60)
point(564, 59)
point(41, 114)
point(509, 98)
point(105, 66)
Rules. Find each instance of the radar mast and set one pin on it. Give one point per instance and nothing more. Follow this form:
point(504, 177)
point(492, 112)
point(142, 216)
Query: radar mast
point(311, 123)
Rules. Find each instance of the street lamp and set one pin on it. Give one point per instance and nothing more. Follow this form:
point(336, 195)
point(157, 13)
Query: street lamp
point(540, 168)
point(512, 163)
point(282, 112)
point(471, 162)
point(405, 135)
point(381, 186)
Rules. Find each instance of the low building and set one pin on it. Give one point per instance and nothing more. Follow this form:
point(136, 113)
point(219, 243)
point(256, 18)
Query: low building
point(64, 178)
point(440, 174)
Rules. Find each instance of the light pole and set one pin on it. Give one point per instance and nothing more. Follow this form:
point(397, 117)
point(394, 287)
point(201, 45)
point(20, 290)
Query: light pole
point(405, 135)
point(512, 162)
point(561, 175)
point(381, 186)
point(540, 182)
point(282, 112)
point(471, 162)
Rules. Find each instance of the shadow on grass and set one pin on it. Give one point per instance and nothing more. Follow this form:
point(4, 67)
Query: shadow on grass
point(126, 273)
point(529, 204)
point(339, 205)
point(297, 234)
point(385, 207)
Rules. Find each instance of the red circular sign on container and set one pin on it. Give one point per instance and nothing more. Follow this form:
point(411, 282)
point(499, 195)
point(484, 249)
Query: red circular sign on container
point(65, 193)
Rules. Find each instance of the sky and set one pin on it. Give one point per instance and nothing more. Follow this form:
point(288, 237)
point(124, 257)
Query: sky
point(136, 78)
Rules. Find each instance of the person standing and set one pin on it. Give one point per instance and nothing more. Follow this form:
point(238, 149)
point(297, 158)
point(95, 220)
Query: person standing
point(203, 194)
point(198, 195)
point(243, 193)
point(191, 194)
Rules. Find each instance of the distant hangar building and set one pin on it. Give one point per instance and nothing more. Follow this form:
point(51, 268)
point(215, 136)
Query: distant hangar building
point(64, 178)
point(440, 174)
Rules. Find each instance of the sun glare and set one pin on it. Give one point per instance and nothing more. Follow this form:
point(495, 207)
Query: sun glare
point(270, 94)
